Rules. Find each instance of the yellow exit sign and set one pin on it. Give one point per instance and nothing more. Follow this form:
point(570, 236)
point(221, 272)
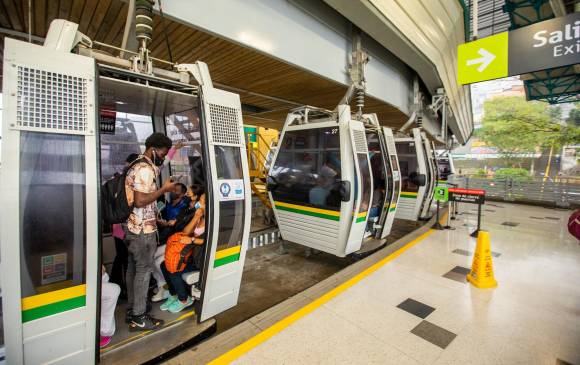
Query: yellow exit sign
point(484, 59)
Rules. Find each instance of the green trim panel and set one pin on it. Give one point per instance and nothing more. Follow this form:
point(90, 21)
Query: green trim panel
point(226, 260)
point(408, 196)
point(54, 308)
point(305, 212)
point(361, 219)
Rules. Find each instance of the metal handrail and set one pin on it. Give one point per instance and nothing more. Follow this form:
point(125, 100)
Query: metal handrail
point(562, 193)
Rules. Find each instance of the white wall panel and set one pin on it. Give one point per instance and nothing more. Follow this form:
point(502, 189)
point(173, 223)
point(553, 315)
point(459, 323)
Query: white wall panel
point(435, 27)
point(305, 33)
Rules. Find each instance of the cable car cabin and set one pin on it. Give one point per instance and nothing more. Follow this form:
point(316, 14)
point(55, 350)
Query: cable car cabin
point(320, 183)
point(70, 124)
point(445, 165)
point(414, 176)
point(385, 175)
point(426, 210)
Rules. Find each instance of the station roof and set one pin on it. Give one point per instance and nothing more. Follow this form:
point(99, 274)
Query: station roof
point(268, 87)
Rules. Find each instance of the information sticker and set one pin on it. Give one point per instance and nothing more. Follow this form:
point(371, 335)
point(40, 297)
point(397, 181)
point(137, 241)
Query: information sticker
point(53, 268)
point(231, 189)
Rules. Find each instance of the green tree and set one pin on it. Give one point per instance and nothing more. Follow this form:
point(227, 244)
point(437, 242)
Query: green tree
point(574, 116)
point(514, 125)
point(513, 173)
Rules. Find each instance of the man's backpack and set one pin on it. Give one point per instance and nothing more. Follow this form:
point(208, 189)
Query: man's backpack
point(115, 207)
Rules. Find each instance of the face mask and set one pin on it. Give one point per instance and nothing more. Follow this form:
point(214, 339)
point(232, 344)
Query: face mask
point(197, 205)
point(173, 196)
point(157, 160)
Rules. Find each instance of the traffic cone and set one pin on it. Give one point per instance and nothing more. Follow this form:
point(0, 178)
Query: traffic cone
point(481, 275)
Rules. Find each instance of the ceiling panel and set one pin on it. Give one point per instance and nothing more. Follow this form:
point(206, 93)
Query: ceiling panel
point(241, 69)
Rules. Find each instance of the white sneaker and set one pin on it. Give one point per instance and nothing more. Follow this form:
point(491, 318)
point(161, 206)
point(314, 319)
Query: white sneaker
point(161, 294)
point(195, 293)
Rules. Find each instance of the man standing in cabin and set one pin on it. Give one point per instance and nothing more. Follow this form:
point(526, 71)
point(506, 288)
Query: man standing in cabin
point(141, 239)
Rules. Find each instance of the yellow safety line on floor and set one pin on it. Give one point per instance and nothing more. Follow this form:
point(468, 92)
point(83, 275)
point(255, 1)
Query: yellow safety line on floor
point(142, 334)
point(263, 336)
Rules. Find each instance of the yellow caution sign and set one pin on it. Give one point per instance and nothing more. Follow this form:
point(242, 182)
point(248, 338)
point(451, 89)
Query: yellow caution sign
point(481, 275)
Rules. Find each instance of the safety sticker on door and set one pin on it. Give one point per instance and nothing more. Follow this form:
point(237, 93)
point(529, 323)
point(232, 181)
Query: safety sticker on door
point(232, 189)
point(53, 268)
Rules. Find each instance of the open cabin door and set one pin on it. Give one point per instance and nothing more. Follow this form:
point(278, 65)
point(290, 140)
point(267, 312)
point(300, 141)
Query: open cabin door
point(363, 184)
point(430, 173)
point(413, 175)
point(49, 193)
point(393, 184)
point(229, 201)
point(382, 180)
point(436, 173)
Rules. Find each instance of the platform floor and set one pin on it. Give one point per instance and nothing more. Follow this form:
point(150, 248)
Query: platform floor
point(270, 278)
point(418, 309)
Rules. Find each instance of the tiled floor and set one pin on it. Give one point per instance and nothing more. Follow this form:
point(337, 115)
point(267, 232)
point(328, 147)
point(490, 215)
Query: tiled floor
point(408, 312)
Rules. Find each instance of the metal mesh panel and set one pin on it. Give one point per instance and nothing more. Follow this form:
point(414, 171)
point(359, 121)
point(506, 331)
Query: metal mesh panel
point(391, 144)
point(49, 100)
point(225, 125)
point(360, 142)
point(562, 193)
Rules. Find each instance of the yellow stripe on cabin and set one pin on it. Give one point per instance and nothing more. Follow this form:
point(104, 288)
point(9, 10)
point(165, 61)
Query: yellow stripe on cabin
point(228, 252)
point(40, 300)
point(309, 209)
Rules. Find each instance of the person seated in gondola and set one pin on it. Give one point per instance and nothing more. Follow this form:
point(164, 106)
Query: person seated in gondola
point(178, 201)
point(175, 225)
point(183, 253)
point(319, 193)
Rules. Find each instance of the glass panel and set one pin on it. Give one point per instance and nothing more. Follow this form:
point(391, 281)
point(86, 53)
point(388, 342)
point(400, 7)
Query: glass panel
point(231, 224)
point(395, 167)
point(52, 212)
point(228, 162)
point(444, 168)
point(232, 217)
point(131, 131)
point(429, 171)
point(365, 174)
point(184, 127)
point(390, 186)
point(308, 169)
point(408, 164)
point(379, 173)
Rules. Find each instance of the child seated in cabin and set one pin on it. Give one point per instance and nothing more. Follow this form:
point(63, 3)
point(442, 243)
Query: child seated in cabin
point(182, 255)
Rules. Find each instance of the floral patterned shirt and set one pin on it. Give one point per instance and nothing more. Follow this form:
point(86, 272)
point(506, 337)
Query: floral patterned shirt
point(142, 177)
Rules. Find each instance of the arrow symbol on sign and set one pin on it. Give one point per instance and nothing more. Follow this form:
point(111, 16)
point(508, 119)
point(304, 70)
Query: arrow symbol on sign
point(484, 61)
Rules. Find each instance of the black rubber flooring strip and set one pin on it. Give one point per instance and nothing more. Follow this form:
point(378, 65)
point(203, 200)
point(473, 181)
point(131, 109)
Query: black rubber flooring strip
point(553, 218)
point(460, 251)
point(537, 217)
point(438, 336)
point(416, 308)
point(456, 277)
point(461, 270)
point(494, 205)
point(510, 224)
